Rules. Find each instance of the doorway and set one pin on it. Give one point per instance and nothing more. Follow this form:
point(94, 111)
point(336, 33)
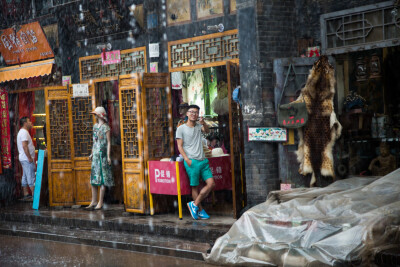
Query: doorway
point(211, 89)
point(107, 96)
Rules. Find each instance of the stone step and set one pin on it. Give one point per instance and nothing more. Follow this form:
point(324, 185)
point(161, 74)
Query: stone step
point(111, 219)
point(109, 239)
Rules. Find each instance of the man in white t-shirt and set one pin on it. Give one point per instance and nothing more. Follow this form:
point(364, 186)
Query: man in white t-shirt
point(26, 151)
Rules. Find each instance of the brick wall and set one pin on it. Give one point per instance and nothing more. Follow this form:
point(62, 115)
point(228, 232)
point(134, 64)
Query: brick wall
point(266, 32)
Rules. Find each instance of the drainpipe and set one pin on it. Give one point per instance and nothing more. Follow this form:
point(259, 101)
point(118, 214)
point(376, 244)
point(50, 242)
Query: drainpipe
point(33, 9)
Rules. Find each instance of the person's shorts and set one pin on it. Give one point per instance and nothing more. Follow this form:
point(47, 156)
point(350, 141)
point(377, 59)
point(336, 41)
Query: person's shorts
point(28, 176)
point(196, 170)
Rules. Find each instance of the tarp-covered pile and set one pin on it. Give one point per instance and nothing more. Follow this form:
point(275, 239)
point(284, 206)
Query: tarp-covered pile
point(343, 223)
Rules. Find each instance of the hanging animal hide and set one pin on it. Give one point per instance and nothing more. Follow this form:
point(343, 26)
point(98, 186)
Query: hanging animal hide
point(319, 135)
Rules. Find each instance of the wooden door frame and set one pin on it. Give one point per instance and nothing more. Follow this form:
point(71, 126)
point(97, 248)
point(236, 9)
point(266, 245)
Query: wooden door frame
point(62, 162)
point(126, 163)
point(154, 83)
point(236, 210)
point(80, 159)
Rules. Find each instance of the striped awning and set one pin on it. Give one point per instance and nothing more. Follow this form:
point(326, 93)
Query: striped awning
point(25, 71)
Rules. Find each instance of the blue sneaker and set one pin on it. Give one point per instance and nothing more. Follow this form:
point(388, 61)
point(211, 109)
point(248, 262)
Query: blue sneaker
point(203, 215)
point(193, 209)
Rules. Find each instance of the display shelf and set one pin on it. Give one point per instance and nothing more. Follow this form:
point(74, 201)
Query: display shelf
point(366, 140)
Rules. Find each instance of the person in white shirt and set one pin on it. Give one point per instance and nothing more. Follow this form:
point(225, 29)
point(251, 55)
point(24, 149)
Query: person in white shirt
point(26, 151)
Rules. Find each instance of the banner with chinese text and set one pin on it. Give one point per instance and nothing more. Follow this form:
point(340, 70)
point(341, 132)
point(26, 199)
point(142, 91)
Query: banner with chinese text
point(5, 129)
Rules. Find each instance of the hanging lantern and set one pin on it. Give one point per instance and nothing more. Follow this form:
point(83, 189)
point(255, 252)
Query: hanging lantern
point(361, 69)
point(375, 67)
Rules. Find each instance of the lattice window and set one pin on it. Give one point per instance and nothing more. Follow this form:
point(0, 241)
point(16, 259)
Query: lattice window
point(366, 27)
point(82, 124)
point(132, 61)
point(157, 111)
point(59, 129)
point(129, 123)
point(202, 51)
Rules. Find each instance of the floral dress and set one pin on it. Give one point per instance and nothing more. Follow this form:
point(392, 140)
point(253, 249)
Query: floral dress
point(101, 171)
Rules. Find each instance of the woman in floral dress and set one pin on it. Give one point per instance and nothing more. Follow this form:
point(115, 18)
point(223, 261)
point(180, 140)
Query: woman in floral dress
point(101, 161)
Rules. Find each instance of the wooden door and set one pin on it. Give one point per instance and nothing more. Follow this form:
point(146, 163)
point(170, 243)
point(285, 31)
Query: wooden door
point(158, 135)
point(236, 142)
point(59, 146)
point(82, 129)
point(132, 143)
point(157, 112)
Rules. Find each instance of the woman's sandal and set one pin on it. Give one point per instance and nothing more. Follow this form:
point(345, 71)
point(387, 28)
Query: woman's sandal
point(90, 207)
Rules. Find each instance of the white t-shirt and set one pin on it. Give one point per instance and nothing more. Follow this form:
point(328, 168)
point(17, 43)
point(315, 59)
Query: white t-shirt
point(23, 135)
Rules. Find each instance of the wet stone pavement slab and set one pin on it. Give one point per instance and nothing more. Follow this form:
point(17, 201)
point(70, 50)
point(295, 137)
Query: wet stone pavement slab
point(20, 251)
point(162, 234)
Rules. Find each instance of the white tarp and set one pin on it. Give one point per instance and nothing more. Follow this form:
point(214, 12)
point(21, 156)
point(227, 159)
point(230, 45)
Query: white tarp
point(341, 223)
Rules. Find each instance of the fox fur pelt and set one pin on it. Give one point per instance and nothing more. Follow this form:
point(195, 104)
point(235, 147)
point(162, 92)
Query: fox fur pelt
point(318, 136)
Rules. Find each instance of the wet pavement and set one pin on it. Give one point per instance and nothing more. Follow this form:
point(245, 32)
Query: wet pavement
point(114, 218)
point(18, 251)
point(112, 227)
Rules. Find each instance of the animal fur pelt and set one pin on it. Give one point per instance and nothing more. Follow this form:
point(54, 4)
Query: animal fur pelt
point(318, 136)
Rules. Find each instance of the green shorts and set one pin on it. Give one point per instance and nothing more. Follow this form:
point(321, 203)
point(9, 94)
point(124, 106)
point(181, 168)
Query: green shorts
point(196, 170)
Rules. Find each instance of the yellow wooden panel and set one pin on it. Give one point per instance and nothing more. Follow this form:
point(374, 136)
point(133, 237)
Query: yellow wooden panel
point(62, 188)
point(61, 166)
point(85, 163)
point(132, 165)
point(133, 187)
point(83, 194)
point(128, 82)
point(290, 137)
point(60, 152)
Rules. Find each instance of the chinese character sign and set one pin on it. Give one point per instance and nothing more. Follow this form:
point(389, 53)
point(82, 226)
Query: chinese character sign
point(112, 57)
point(27, 44)
point(80, 90)
point(5, 130)
point(163, 178)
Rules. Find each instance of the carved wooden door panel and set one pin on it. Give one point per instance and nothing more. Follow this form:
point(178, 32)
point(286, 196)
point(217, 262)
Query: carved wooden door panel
point(132, 143)
point(158, 136)
point(82, 129)
point(59, 146)
point(236, 142)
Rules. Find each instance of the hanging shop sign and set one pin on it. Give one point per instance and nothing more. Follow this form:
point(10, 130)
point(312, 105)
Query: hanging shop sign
point(5, 129)
point(112, 57)
point(80, 90)
point(27, 44)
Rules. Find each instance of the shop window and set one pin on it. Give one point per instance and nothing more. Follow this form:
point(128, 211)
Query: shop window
point(368, 90)
point(39, 120)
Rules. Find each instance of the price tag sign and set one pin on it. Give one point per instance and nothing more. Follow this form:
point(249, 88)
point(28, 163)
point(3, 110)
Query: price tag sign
point(80, 90)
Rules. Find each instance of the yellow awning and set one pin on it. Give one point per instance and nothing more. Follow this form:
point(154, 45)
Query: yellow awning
point(25, 71)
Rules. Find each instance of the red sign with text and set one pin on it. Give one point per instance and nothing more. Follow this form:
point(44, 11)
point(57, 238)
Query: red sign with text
point(112, 57)
point(27, 44)
point(162, 175)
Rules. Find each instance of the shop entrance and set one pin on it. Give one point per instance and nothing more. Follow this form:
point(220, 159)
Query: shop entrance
point(211, 88)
